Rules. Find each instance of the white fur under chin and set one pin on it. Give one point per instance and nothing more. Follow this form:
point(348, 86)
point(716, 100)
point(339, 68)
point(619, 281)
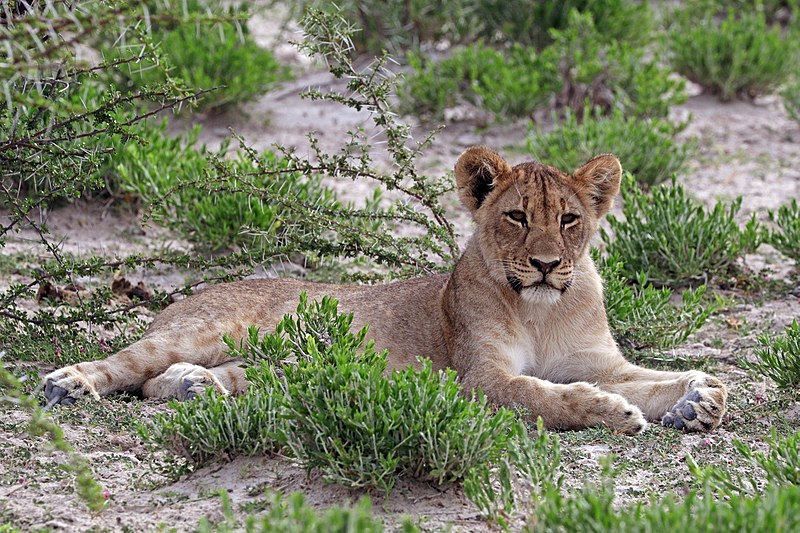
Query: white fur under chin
point(541, 295)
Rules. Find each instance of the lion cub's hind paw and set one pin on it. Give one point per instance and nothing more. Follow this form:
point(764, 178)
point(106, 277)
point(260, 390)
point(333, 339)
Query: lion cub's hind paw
point(701, 409)
point(197, 383)
point(66, 386)
point(182, 381)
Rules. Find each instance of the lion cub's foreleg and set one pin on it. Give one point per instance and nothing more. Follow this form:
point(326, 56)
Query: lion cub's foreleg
point(561, 406)
point(691, 401)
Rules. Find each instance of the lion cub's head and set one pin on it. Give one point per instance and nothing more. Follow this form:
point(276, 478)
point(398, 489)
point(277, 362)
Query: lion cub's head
point(534, 222)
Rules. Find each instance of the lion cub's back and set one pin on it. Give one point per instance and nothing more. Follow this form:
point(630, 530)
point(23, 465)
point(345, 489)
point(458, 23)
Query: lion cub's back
point(404, 317)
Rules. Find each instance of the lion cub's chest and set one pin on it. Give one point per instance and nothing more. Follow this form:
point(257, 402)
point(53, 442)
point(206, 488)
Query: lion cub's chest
point(536, 351)
point(521, 353)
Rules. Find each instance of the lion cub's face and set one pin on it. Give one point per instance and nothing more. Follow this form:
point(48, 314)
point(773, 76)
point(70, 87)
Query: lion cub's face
point(535, 221)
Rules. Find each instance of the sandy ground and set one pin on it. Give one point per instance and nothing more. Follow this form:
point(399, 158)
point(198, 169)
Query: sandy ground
point(748, 149)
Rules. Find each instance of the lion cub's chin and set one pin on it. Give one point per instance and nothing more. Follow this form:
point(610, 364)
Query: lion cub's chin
point(541, 294)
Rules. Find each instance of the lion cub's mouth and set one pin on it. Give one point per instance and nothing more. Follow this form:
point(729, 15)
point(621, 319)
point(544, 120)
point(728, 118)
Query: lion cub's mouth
point(537, 286)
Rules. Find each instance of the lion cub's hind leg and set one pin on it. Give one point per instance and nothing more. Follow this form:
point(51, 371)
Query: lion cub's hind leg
point(184, 381)
point(197, 342)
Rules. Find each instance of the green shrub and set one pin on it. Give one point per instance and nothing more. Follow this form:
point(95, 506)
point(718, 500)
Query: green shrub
point(217, 427)
point(669, 239)
point(210, 48)
point(646, 147)
point(292, 514)
point(528, 472)
point(791, 99)
point(400, 26)
point(783, 12)
point(338, 413)
point(345, 419)
point(609, 74)
point(510, 83)
point(593, 509)
point(737, 56)
point(777, 467)
point(530, 23)
point(581, 67)
point(642, 316)
point(778, 358)
point(781, 464)
point(725, 502)
point(360, 429)
point(787, 238)
point(190, 189)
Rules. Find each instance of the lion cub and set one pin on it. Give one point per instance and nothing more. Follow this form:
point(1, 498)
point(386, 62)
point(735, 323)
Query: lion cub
point(520, 317)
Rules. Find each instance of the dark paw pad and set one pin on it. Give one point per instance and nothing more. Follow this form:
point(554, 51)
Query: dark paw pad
point(672, 420)
point(684, 415)
point(190, 388)
point(184, 391)
point(51, 391)
point(693, 396)
point(56, 394)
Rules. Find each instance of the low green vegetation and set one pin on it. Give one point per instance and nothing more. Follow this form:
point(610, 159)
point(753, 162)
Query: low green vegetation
point(778, 358)
point(593, 72)
point(781, 463)
point(358, 428)
point(791, 99)
point(511, 83)
point(217, 203)
point(580, 68)
point(208, 46)
point(786, 238)
point(779, 466)
point(723, 500)
point(669, 239)
point(592, 509)
point(400, 26)
point(731, 52)
point(216, 427)
point(643, 316)
point(531, 24)
point(646, 147)
point(291, 514)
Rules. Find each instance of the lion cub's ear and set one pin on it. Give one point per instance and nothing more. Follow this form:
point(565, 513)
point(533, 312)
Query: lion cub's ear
point(598, 182)
point(478, 171)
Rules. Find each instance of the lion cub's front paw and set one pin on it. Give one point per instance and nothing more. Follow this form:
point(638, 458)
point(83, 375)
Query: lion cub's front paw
point(702, 408)
point(67, 385)
point(613, 411)
point(624, 417)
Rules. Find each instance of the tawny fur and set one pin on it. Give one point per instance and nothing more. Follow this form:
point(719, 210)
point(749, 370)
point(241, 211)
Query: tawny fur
point(520, 317)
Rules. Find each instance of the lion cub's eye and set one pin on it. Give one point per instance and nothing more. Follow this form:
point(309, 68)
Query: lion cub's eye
point(518, 216)
point(568, 219)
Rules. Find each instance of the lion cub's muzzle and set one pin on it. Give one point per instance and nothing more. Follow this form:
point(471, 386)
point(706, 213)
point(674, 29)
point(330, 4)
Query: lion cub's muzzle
point(546, 274)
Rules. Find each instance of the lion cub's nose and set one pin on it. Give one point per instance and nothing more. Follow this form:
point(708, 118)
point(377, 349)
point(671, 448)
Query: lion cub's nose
point(545, 267)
